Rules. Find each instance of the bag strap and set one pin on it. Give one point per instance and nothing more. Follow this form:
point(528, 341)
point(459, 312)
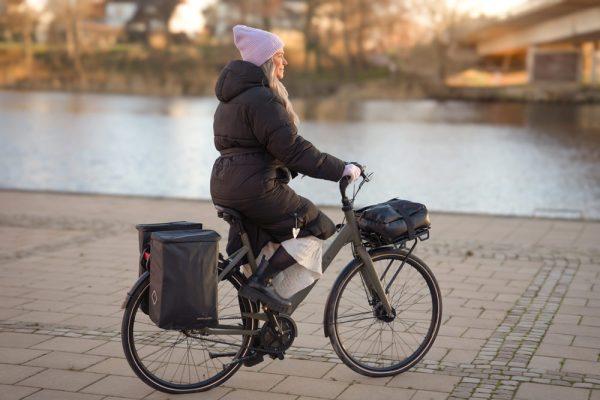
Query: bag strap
point(410, 226)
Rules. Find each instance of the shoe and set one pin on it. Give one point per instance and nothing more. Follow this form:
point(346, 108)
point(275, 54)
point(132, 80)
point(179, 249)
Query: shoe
point(257, 289)
point(255, 358)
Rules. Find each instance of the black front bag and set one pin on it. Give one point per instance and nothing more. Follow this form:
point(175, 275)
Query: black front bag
point(393, 221)
point(183, 278)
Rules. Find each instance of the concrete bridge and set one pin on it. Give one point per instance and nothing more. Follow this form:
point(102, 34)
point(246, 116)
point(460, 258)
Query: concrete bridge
point(554, 40)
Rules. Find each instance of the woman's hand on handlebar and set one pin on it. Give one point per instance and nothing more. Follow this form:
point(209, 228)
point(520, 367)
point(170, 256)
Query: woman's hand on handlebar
point(353, 171)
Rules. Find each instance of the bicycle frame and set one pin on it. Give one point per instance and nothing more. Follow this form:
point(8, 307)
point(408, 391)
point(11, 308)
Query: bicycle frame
point(349, 233)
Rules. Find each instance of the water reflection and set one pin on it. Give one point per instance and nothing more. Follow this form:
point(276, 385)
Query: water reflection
point(507, 158)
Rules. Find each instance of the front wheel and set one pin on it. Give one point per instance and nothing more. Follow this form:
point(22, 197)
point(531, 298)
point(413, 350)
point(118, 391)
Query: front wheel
point(363, 336)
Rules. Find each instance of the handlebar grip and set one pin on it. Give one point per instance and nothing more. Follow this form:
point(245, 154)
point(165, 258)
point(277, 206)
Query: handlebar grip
point(344, 182)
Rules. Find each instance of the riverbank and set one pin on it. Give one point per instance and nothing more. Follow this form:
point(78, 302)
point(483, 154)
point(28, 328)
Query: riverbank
point(184, 72)
point(373, 90)
point(520, 297)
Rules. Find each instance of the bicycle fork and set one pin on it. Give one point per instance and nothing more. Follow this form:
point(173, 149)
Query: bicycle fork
point(370, 276)
point(368, 272)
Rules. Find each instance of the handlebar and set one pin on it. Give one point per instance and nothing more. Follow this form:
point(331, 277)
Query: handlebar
point(345, 181)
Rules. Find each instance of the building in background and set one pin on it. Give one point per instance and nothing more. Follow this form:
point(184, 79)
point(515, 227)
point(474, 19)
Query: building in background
point(542, 41)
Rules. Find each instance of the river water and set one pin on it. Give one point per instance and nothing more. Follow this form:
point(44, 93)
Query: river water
point(498, 158)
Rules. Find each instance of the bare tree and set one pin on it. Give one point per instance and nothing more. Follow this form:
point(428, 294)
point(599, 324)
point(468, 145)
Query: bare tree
point(443, 18)
point(19, 20)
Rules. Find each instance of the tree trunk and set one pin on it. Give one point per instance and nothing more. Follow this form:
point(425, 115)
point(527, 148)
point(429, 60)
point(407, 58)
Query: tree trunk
point(27, 44)
point(73, 44)
point(346, 37)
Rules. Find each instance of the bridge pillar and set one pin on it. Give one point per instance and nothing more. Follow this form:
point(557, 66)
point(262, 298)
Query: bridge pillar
point(553, 64)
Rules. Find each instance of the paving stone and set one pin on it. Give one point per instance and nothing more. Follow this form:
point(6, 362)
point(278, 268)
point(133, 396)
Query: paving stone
point(546, 363)
point(361, 392)
point(15, 373)
point(212, 394)
point(61, 380)
point(243, 394)
point(413, 380)
point(584, 367)
point(536, 391)
point(477, 333)
point(429, 395)
point(344, 374)
point(253, 380)
point(112, 366)
point(40, 317)
point(460, 356)
point(587, 341)
point(47, 394)
point(18, 356)
point(14, 392)
point(109, 349)
point(20, 340)
point(310, 387)
point(116, 398)
point(578, 353)
point(310, 369)
point(64, 360)
point(74, 345)
point(119, 386)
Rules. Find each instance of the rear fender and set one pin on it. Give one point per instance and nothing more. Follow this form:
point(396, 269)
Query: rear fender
point(135, 286)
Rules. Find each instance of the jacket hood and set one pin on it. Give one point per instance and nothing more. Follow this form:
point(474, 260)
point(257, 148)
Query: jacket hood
point(237, 77)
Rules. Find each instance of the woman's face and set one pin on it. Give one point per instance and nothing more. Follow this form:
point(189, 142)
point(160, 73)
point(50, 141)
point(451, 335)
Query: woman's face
point(280, 63)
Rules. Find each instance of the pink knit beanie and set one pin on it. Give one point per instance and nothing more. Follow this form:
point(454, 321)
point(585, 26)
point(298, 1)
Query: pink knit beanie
point(256, 45)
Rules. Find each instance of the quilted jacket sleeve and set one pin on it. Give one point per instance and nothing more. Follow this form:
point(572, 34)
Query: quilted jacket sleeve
point(272, 128)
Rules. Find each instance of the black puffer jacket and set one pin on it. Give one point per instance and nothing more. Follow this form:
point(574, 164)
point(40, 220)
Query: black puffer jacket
point(259, 149)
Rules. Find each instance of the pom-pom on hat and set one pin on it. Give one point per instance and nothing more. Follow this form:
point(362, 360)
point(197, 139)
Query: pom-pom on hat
point(256, 45)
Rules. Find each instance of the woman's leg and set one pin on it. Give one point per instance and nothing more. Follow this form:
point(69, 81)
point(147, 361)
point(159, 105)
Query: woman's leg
point(279, 261)
point(258, 287)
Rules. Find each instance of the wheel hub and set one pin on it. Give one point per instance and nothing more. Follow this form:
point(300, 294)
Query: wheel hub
point(380, 314)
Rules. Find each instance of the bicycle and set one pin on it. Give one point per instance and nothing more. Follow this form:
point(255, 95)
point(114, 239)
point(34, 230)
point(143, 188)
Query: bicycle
point(379, 320)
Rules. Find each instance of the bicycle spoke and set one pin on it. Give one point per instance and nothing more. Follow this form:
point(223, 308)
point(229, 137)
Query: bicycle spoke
point(177, 359)
point(366, 336)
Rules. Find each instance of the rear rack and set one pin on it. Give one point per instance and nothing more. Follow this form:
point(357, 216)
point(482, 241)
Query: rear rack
point(372, 240)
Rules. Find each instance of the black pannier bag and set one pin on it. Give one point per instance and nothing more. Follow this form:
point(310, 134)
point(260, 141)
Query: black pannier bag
point(144, 232)
point(394, 220)
point(183, 278)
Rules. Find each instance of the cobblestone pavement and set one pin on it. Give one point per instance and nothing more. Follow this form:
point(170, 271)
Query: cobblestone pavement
point(521, 308)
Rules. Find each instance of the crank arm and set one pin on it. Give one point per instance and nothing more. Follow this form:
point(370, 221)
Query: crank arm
point(217, 355)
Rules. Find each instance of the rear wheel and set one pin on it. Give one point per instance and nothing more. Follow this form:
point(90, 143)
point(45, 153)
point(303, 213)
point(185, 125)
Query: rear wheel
point(367, 340)
point(186, 361)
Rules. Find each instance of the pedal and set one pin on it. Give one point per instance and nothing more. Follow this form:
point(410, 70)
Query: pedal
point(253, 359)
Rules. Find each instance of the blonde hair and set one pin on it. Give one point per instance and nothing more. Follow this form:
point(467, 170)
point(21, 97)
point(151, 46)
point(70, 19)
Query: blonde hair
point(279, 89)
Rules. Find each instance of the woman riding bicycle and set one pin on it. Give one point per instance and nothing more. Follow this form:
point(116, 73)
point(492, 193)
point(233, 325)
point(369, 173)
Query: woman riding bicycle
point(255, 128)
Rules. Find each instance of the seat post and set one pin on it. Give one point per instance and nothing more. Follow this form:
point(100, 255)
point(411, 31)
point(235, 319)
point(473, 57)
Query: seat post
point(234, 218)
point(250, 254)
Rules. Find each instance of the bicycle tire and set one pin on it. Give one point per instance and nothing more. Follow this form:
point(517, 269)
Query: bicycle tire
point(142, 370)
point(332, 321)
